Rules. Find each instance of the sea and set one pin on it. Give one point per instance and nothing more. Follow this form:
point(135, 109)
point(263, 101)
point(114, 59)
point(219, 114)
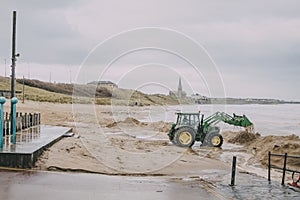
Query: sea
point(278, 119)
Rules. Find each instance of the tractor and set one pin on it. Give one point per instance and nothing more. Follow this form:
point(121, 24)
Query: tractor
point(190, 128)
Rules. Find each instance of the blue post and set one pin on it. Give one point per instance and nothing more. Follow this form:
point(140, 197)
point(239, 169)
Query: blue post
point(2, 102)
point(14, 102)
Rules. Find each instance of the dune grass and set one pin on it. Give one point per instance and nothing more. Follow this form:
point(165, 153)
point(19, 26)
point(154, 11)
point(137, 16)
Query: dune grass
point(36, 90)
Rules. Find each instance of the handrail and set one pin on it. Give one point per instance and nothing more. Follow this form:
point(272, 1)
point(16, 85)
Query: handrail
point(284, 169)
point(282, 155)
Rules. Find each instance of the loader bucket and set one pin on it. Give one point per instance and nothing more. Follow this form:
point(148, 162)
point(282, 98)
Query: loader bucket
point(238, 120)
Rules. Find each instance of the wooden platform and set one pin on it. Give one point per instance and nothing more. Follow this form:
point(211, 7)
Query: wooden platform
point(30, 145)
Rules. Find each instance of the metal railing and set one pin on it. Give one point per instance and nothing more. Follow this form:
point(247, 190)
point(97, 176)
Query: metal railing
point(23, 121)
point(10, 123)
point(284, 168)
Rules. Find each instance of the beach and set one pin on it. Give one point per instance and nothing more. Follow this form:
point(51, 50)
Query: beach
point(117, 140)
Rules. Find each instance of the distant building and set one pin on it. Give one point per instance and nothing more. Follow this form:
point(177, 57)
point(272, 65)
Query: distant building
point(179, 93)
point(199, 96)
point(104, 83)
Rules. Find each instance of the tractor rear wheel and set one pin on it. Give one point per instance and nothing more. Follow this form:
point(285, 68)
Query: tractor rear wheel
point(184, 137)
point(214, 140)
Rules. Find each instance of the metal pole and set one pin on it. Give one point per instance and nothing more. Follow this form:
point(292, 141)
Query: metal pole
point(23, 100)
point(269, 166)
point(284, 169)
point(13, 57)
point(13, 63)
point(5, 67)
point(70, 76)
point(2, 101)
point(14, 102)
point(233, 171)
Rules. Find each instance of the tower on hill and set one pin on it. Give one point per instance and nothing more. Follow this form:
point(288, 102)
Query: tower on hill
point(179, 93)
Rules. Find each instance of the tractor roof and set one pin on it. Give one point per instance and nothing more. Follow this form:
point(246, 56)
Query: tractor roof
point(196, 113)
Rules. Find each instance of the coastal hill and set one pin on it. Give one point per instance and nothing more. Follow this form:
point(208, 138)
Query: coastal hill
point(36, 90)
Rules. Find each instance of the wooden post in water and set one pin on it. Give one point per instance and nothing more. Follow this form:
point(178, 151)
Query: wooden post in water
point(269, 166)
point(233, 171)
point(284, 169)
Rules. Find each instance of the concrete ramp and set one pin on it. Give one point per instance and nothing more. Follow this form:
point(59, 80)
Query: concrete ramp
point(30, 145)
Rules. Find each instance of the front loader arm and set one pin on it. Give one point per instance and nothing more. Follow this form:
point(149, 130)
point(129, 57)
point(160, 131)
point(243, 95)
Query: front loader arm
point(235, 120)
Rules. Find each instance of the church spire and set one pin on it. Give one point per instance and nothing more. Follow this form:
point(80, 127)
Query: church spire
point(179, 88)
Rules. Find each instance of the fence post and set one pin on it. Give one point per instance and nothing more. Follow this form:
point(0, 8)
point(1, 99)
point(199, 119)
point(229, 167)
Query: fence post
point(233, 171)
point(2, 101)
point(26, 121)
point(7, 127)
point(284, 169)
point(30, 118)
point(39, 121)
point(35, 119)
point(21, 118)
point(13, 127)
point(269, 166)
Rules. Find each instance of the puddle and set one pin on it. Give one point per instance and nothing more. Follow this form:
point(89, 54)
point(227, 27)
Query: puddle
point(250, 186)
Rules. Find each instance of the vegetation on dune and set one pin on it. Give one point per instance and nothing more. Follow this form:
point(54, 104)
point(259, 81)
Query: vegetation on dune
point(36, 90)
point(67, 89)
point(35, 94)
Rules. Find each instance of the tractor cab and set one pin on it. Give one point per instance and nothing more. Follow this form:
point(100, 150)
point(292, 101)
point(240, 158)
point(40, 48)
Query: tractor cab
point(188, 119)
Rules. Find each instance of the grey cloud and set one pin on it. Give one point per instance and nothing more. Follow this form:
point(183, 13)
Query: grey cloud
point(257, 37)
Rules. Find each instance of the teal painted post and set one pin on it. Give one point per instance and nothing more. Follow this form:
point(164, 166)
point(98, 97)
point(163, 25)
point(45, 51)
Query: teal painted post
point(14, 102)
point(2, 102)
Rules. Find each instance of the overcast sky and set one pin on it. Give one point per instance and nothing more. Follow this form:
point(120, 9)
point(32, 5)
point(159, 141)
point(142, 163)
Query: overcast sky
point(239, 48)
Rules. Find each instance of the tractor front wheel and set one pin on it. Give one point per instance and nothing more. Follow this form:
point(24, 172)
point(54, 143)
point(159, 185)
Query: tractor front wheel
point(184, 137)
point(214, 140)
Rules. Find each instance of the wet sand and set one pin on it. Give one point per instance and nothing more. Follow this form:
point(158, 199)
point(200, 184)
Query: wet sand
point(111, 140)
point(124, 149)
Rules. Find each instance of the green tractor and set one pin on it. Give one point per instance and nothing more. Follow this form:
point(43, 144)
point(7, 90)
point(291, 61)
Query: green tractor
point(190, 128)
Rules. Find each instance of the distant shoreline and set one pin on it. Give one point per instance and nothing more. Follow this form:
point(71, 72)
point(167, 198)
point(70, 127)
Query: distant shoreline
point(240, 101)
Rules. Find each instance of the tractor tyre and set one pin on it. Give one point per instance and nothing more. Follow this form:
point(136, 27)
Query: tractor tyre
point(214, 140)
point(184, 137)
point(174, 141)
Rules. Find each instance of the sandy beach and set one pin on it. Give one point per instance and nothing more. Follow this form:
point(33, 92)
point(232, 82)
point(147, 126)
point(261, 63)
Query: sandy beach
point(108, 140)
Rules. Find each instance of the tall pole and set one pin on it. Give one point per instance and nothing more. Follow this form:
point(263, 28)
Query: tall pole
point(28, 71)
point(23, 92)
point(13, 56)
point(13, 75)
point(70, 76)
point(5, 67)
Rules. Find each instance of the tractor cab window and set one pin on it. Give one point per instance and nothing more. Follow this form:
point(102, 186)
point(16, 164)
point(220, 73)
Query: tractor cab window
point(194, 120)
point(185, 120)
point(188, 120)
